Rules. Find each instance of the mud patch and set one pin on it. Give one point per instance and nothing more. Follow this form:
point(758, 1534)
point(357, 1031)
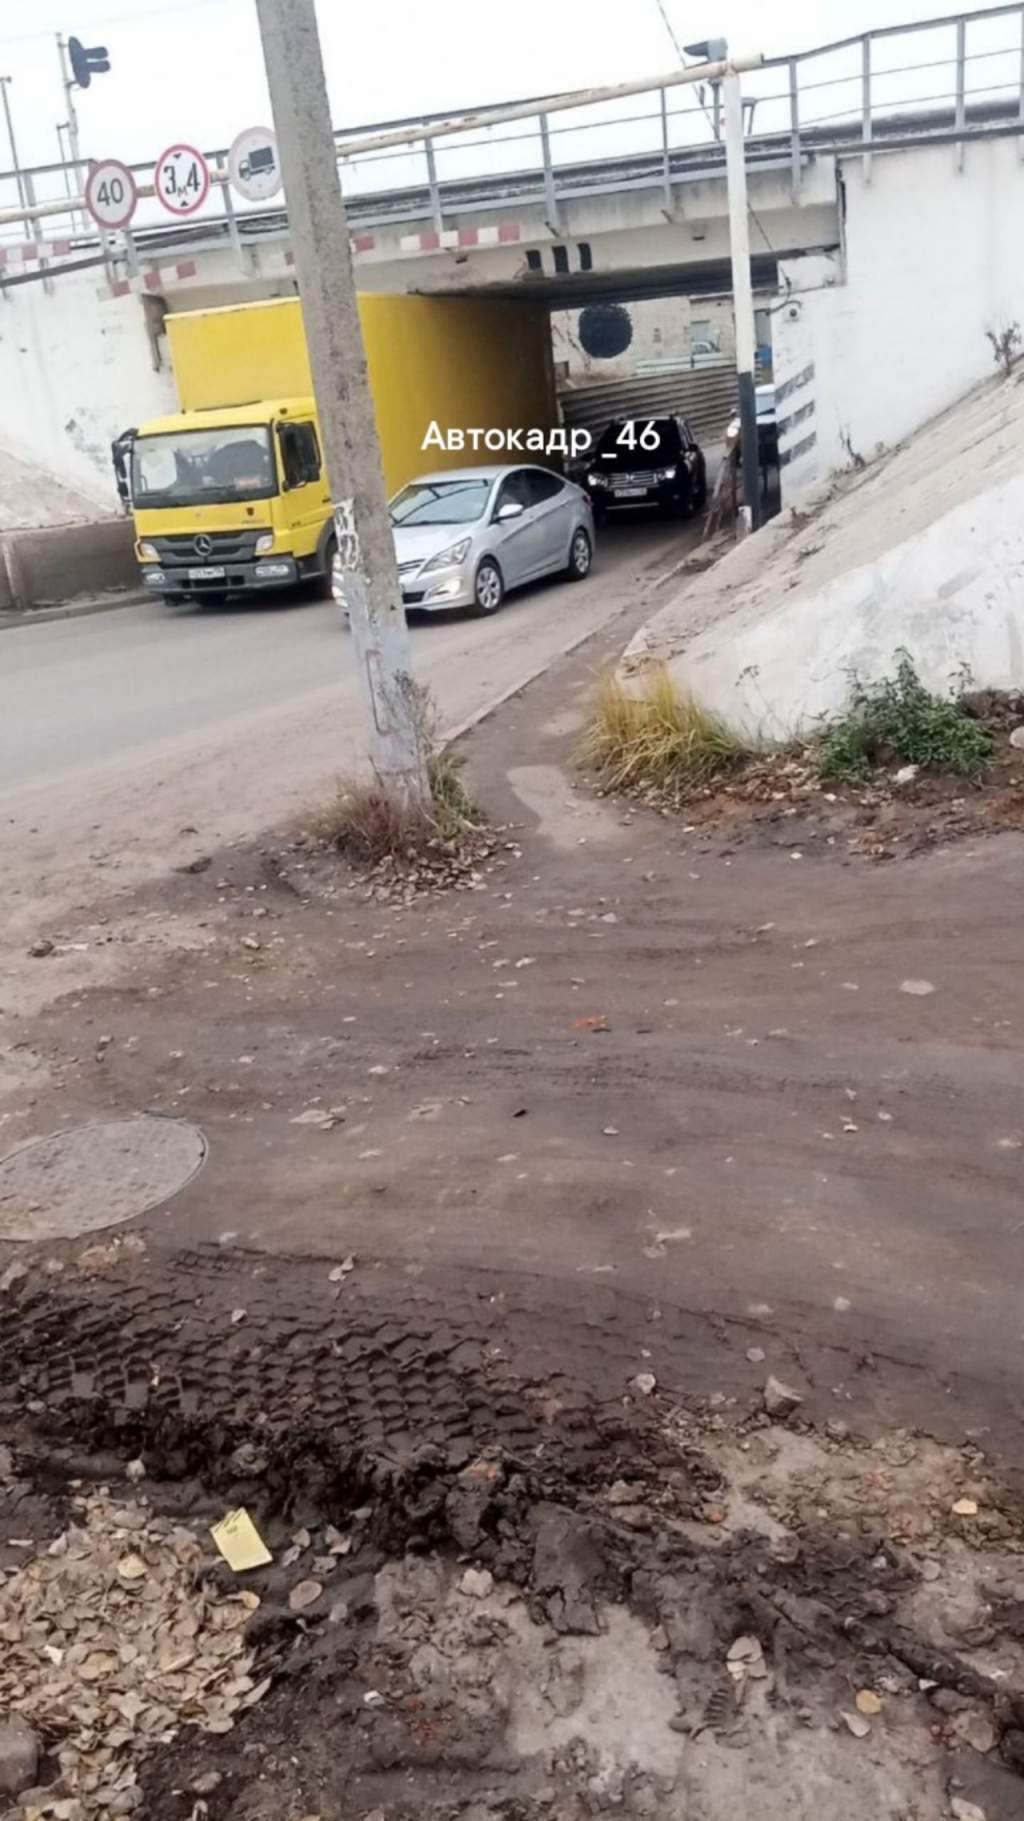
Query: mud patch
point(535, 1603)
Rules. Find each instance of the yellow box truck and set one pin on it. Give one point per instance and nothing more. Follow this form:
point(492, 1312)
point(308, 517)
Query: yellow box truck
point(230, 494)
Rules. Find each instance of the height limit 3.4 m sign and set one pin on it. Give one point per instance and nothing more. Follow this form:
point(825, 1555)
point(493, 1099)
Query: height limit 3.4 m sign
point(181, 179)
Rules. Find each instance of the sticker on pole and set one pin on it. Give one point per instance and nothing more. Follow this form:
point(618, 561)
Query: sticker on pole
point(253, 164)
point(181, 179)
point(111, 193)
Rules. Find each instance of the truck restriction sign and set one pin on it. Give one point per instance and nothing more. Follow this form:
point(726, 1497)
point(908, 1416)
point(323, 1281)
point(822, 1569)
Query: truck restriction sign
point(254, 165)
point(181, 179)
point(111, 194)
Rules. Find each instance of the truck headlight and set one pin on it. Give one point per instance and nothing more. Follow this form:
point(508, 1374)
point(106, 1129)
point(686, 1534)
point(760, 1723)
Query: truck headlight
point(146, 553)
point(448, 559)
point(264, 544)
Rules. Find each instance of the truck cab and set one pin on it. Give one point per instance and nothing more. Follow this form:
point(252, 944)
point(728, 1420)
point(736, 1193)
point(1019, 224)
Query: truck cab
point(231, 500)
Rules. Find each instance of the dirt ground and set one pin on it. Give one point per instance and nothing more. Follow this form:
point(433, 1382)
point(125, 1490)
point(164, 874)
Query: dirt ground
point(515, 1200)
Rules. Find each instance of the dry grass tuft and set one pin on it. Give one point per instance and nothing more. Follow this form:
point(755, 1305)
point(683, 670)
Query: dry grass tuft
point(369, 822)
point(656, 737)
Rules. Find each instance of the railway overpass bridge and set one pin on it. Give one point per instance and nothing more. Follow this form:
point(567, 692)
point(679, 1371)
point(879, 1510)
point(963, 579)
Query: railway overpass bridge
point(859, 155)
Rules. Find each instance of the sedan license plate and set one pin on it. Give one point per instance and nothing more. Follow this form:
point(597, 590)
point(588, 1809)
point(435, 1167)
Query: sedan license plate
point(630, 493)
point(207, 575)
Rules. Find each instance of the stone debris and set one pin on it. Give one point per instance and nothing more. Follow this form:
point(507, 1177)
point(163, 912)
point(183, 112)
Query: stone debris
point(41, 948)
point(868, 1702)
point(780, 1400)
point(745, 1658)
point(857, 1724)
point(645, 1383)
point(966, 1811)
point(477, 1582)
point(304, 1594)
point(109, 1650)
point(19, 1756)
point(918, 989)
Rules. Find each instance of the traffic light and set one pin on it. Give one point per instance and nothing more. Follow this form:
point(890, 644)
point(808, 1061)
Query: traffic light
point(87, 61)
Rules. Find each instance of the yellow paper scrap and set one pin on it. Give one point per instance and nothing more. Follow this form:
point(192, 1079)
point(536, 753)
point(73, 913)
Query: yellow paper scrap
point(239, 1541)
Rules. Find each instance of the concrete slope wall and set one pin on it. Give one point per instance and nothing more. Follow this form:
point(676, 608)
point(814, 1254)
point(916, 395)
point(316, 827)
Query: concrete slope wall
point(871, 344)
point(925, 554)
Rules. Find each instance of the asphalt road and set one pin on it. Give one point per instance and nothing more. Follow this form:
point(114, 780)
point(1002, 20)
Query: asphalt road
point(120, 730)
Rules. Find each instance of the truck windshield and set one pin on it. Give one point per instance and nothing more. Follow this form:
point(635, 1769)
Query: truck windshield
point(203, 467)
point(441, 502)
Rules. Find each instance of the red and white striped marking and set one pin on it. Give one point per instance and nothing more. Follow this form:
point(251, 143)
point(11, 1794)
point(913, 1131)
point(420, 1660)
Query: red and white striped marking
point(358, 243)
point(28, 252)
point(433, 240)
point(155, 279)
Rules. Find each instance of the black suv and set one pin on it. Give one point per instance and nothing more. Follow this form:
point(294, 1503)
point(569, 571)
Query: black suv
point(647, 461)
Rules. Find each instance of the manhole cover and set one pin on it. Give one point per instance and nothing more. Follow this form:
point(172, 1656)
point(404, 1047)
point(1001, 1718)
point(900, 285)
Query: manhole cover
point(95, 1176)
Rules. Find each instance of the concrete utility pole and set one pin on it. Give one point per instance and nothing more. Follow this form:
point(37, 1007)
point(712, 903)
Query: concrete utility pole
point(742, 292)
point(323, 264)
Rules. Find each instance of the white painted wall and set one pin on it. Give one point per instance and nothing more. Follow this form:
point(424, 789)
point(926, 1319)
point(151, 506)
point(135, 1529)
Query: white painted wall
point(74, 373)
point(76, 369)
point(895, 331)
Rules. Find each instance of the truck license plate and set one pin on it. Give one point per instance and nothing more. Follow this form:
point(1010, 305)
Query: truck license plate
point(630, 493)
point(206, 575)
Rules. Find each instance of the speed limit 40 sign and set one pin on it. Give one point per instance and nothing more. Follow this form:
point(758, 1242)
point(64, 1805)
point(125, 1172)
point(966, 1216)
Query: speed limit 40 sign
point(181, 179)
point(111, 194)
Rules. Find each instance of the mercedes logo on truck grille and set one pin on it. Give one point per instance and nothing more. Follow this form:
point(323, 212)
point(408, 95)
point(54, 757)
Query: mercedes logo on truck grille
point(203, 545)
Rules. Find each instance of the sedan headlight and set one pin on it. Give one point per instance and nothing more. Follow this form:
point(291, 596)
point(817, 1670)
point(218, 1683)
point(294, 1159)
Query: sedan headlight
point(597, 480)
point(448, 559)
point(146, 553)
point(264, 544)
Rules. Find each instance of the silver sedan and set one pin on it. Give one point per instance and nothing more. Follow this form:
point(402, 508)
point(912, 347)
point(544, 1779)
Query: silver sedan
point(465, 536)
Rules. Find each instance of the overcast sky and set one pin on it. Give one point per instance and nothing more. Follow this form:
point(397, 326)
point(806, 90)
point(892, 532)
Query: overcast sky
point(194, 71)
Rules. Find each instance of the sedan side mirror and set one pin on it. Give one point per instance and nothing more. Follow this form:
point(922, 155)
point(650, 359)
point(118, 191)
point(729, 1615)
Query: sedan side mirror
point(511, 509)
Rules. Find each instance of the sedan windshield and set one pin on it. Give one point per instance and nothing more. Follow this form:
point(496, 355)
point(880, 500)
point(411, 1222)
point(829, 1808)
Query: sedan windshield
point(441, 502)
point(203, 467)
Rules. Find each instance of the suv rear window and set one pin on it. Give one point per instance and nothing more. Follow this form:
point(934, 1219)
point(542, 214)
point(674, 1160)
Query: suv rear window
point(640, 442)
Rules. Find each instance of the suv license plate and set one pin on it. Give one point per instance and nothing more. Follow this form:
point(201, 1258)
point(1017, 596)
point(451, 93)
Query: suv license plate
point(207, 575)
point(630, 493)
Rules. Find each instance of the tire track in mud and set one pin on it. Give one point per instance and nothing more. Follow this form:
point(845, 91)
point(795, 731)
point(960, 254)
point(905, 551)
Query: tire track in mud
point(487, 1416)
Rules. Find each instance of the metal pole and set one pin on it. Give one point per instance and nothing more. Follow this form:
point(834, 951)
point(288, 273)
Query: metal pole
point(323, 267)
point(742, 291)
point(666, 155)
point(1020, 109)
point(866, 122)
point(72, 121)
point(5, 83)
point(794, 127)
point(63, 155)
point(961, 87)
point(550, 197)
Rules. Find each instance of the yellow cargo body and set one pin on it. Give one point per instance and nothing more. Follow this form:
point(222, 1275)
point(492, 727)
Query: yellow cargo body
point(231, 493)
point(462, 362)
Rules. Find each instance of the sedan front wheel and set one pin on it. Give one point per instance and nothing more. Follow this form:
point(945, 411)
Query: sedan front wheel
point(581, 555)
point(489, 588)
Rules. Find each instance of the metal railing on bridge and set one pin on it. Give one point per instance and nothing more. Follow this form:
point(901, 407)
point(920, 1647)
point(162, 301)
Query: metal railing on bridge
point(953, 79)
